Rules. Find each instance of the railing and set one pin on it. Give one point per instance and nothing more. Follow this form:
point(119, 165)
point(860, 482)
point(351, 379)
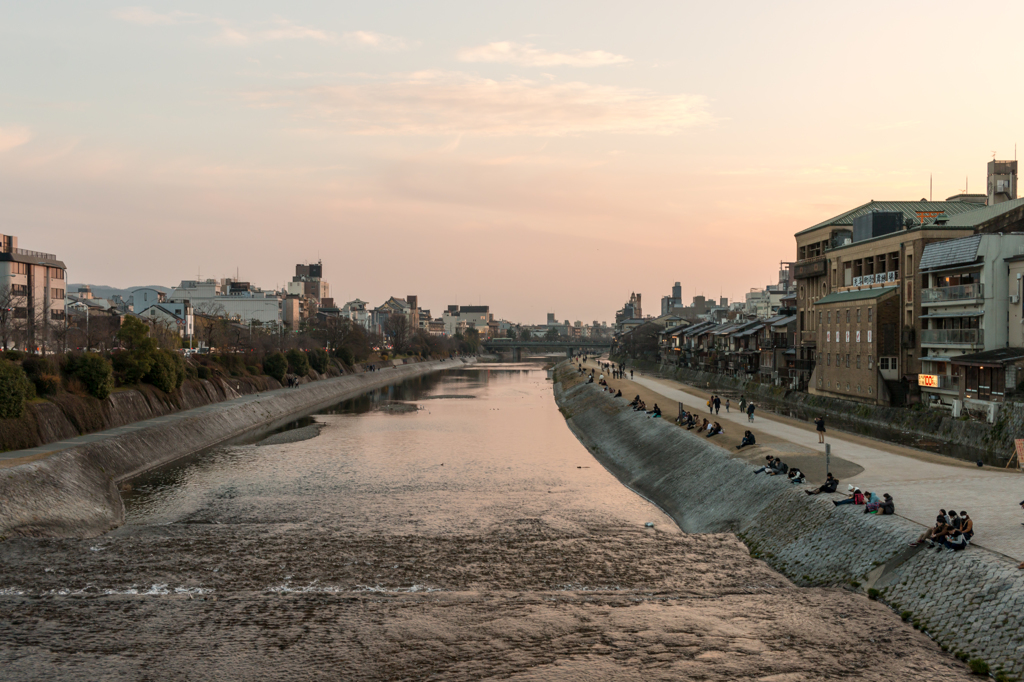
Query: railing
point(972, 337)
point(963, 292)
point(36, 254)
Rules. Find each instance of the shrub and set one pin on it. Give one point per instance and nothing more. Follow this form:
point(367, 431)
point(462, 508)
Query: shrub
point(276, 366)
point(167, 371)
point(298, 363)
point(319, 360)
point(94, 371)
point(203, 372)
point(905, 615)
point(132, 365)
point(46, 384)
point(978, 666)
point(253, 370)
point(873, 593)
point(15, 389)
point(13, 355)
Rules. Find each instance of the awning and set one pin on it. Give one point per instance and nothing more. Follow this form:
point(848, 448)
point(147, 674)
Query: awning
point(936, 358)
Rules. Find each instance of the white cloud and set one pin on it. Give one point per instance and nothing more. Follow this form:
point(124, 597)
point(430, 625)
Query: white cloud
point(13, 137)
point(452, 103)
point(147, 17)
point(377, 41)
point(528, 55)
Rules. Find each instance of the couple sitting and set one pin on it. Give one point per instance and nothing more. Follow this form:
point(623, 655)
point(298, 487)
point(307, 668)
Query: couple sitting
point(714, 429)
point(775, 467)
point(884, 508)
point(855, 496)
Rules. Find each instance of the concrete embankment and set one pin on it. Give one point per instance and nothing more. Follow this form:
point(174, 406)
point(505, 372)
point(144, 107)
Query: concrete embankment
point(73, 493)
point(971, 602)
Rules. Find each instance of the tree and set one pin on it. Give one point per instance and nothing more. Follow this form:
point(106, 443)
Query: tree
point(397, 331)
point(552, 334)
point(276, 366)
point(15, 389)
point(136, 361)
point(525, 335)
point(11, 326)
point(167, 371)
point(511, 333)
point(319, 360)
point(641, 341)
point(298, 363)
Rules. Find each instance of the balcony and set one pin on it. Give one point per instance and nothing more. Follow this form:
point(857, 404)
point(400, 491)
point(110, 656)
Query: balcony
point(966, 293)
point(953, 337)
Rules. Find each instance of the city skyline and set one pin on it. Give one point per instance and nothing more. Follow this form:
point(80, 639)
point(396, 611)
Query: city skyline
point(516, 157)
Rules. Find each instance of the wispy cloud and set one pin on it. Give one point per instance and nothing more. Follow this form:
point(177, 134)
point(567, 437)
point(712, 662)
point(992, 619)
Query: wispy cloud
point(12, 137)
point(377, 41)
point(528, 55)
point(227, 32)
point(453, 103)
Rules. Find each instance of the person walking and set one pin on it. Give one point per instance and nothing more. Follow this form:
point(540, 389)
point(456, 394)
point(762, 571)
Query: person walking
point(819, 424)
point(727, 406)
point(711, 403)
point(630, 375)
point(750, 412)
point(718, 405)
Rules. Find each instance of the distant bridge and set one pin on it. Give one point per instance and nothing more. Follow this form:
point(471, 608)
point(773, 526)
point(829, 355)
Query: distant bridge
point(571, 347)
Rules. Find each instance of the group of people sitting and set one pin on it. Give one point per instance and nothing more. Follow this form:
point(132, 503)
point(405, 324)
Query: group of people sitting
point(776, 467)
point(639, 405)
point(689, 420)
point(951, 530)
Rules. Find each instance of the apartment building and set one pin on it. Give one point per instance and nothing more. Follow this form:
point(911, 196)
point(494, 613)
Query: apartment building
point(33, 289)
point(966, 299)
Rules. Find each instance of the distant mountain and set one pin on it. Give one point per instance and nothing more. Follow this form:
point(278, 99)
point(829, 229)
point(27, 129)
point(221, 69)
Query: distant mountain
point(101, 291)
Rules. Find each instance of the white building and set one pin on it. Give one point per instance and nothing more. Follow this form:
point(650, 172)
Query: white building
point(357, 312)
point(32, 286)
point(228, 299)
point(152, 304)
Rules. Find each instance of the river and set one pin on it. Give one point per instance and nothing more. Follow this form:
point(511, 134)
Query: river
point(449, 528)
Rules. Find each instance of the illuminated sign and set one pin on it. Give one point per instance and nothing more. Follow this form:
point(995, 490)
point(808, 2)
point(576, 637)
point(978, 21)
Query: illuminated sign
point(929, 380)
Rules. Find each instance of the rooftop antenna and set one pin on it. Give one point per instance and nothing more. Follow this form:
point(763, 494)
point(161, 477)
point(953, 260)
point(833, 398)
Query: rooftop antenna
point(929, 187)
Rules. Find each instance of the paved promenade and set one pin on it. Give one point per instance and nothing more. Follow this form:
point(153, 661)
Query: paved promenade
point(920, 482)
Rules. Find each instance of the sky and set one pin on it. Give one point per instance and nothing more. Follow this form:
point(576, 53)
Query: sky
point(532, 156)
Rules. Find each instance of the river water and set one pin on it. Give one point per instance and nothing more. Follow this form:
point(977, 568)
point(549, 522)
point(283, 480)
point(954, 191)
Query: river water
point(449, 528)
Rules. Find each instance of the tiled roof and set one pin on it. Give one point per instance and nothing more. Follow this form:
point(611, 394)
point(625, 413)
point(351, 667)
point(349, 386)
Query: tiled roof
point(908, 208)
point(983, 214)
point(950, 252)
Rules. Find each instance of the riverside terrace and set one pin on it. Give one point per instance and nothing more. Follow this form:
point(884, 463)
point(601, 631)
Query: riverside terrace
point(921, 482)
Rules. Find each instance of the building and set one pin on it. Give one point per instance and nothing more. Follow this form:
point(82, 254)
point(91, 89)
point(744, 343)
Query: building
point(356, 312)
point(459, 319)
point(308, 282)
point(228, 299)
point(965, 298)
point(857, 344)
point(889, 239)
point(152, 305)
point(632, 310)
point(673, 301)
point(32, 309)
point(1002, 181)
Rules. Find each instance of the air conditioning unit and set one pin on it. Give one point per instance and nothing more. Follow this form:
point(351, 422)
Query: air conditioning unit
point(1015, 298)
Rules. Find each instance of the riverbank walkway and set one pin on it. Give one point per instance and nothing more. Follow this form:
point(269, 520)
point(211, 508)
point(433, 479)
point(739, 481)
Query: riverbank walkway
point(920, 482)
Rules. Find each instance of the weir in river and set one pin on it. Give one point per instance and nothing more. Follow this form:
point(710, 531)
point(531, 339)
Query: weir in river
point(451, 527)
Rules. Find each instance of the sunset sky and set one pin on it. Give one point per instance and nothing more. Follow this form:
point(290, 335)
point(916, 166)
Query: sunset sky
point(534, 156)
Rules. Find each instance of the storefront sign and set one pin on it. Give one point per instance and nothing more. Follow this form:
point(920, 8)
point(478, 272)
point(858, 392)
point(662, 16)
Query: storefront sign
point(929, 380)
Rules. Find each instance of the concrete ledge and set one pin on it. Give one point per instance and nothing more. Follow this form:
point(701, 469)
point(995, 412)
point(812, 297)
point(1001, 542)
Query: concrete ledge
point(970, 601)
point(73, 493)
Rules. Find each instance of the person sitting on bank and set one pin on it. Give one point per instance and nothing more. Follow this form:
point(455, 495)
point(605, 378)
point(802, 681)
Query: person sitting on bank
point(704, 425)
point(591, 379)
point(635, 400)
point(933, 534)
point(830, 485)
point(796, 476)
point(955, 541)
point(748, 439)
point(887, 507)
point(966, 526)
point(691, 421)
point(715, 430)
point(779, 468)
point(618, 394)
point(855, 497)
point(766, 467)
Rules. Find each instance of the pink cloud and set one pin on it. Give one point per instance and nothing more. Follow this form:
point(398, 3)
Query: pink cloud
point(528, 55)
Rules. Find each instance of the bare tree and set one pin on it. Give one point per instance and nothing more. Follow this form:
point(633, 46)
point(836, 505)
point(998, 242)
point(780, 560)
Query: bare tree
point(12, 320)
point(396, 330)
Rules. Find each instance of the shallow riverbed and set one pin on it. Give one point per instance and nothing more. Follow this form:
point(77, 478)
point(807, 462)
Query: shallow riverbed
point(469, 538)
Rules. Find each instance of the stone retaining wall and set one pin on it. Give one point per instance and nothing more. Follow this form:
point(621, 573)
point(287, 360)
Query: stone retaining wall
point(971, 602)
point(73, 493)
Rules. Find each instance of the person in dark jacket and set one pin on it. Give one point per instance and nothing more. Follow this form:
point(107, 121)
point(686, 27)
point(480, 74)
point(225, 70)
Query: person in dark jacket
point(819, 424)
point(748, 439)
point(831, 483)
point(888, 507)
point(750, 412)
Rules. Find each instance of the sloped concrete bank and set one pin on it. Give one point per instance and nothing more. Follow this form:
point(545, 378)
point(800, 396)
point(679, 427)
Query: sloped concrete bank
point(963, 438)
point(73, 493)
point(971, 602)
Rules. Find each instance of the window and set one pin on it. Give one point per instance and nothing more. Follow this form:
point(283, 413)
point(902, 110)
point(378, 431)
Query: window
point(19, 289)
point(56, 293)
point(910, 291)
point(55, 273)
point(847, 316)
point(910, 265)
point(847, 366)
point(858, 315)
point(847, 385)
point(858, 362)
point(819, 318)
point(883, 363)
point(869, 316)
point(21, 313)
point(57, 314)
point(19, 268)
point(830, 317)
point(870, 364)
point(828, 359)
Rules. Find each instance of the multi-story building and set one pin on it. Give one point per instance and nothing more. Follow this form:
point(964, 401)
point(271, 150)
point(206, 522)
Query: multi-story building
point(229, 299)
point(33, 289)
point(308, 282)
point(857, 328)
point(964, 285)
point(457, 319)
